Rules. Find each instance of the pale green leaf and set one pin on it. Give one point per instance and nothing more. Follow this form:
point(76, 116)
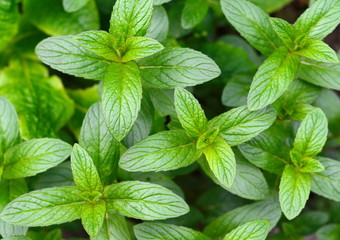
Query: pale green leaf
point(159, 2)
point(285, 31)
point(239, 124)
point(44, 207)
point(84, 171)
point(8, 230)
point(252, 23)
point(92, 216)
point(74, 5)
point(9, 22)
point(254, 230)
point(163, 101)
point(207, 138)
point(163, 151)
point(143, 201)
point(17, 238)
point(34, 156)
point(193, 12)
point(177, 67)
point(294, 191)
point(121, 98)
point(140, 47)
point(273, 78)
point(309, 165)
point(235, 92)
point(159, 25)
point(319, 51)
point(190, 113)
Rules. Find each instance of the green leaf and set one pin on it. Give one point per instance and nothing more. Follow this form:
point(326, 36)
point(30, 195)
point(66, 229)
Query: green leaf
point(294, 191)
point(9, 23)
point(252, 23)
point(271, 5)
point(159, 25)
point(166, 232)
point(9, 126)
point(130, 18)
point(285, 31)
point(44, 207)
point(121, 98)
point(299, 111)
point(74, 5)
point(267, 210)
point(114, 227)
point(312, 134)
point(319, 20)
point(207, 138)
point(140, 47)
point(329, 232)
point(143, 201)
point(100, 43)
point(321, 74)
point(34, 156)
point(254, 230)
point(17, 238)
point(98, 142)
point(306, 164)
point(193, 12)
point(177, 67)
point(235, 92)
point(327, 183)
point(84, 171)
point(92, 216)
point(68, 22)
point(273, 78)
point(221, 161)
point(319, 51)
point(163, 101)
point(163, 151)
point(66, 55)
point(190, 113)
point(239, 124)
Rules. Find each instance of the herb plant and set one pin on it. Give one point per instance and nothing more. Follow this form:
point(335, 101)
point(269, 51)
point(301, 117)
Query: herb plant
point(112, 125)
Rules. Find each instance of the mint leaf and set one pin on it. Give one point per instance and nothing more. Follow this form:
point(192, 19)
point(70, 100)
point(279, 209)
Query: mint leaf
point(163, 101)
point(162, 151)
point(114, 227)
point(121, 96)
point(143, 201)
point(98, 142)
point(9, 23)
point(100, 43)
point(92, 216)
point(9, 125)
point(312, 134)
point(159, 2)
point(34, 156)
point(74, 5)
point(235, 91)
point(294, 191)
point(318, 50)
point(140, 47)
point(84, 171)
point(66, 55)
point(159, 25)
point(8, 230)
point(285, 31)
point(252, 23)
point(177, 67)
point(273, 78)
point(327, 182)
point(130, 18)
point(44, 207)
point(319, 20)
point(311, 165)
point(221, 161)
point(190, 113)
point(239, 124)
point(166, 232)
point(254, 230)
point(207, 138)
point(193, 12)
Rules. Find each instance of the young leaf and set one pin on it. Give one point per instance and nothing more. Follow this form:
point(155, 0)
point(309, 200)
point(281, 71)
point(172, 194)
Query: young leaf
point(159, 25)
point(312, 134)
point(74, 5)
point(319, 51)
point(163, 151)
point(273, 78)
point(207, 138)
point(64, 54)
point(311, 165)
point(84, 172)
point(98, 142)
point(221, 161)
point(190, 113)
point(92, 216)
point(34, 156)
point(100, 43)
point(143, 201)
point(9, 125)
point(319, 20)
point(285, 31)
point(254, 230)
point(193, 12)
point(294, 191)
point(121, 96)
point(239, 124)
point(252, 23)
point(44, 207)
point(140, 47)
point(166, 232)
point(130, 18)
point(177, 67)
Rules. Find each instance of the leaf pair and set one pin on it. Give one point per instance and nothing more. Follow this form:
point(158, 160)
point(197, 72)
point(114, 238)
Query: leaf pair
point(90, 200)
point(177, 148)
